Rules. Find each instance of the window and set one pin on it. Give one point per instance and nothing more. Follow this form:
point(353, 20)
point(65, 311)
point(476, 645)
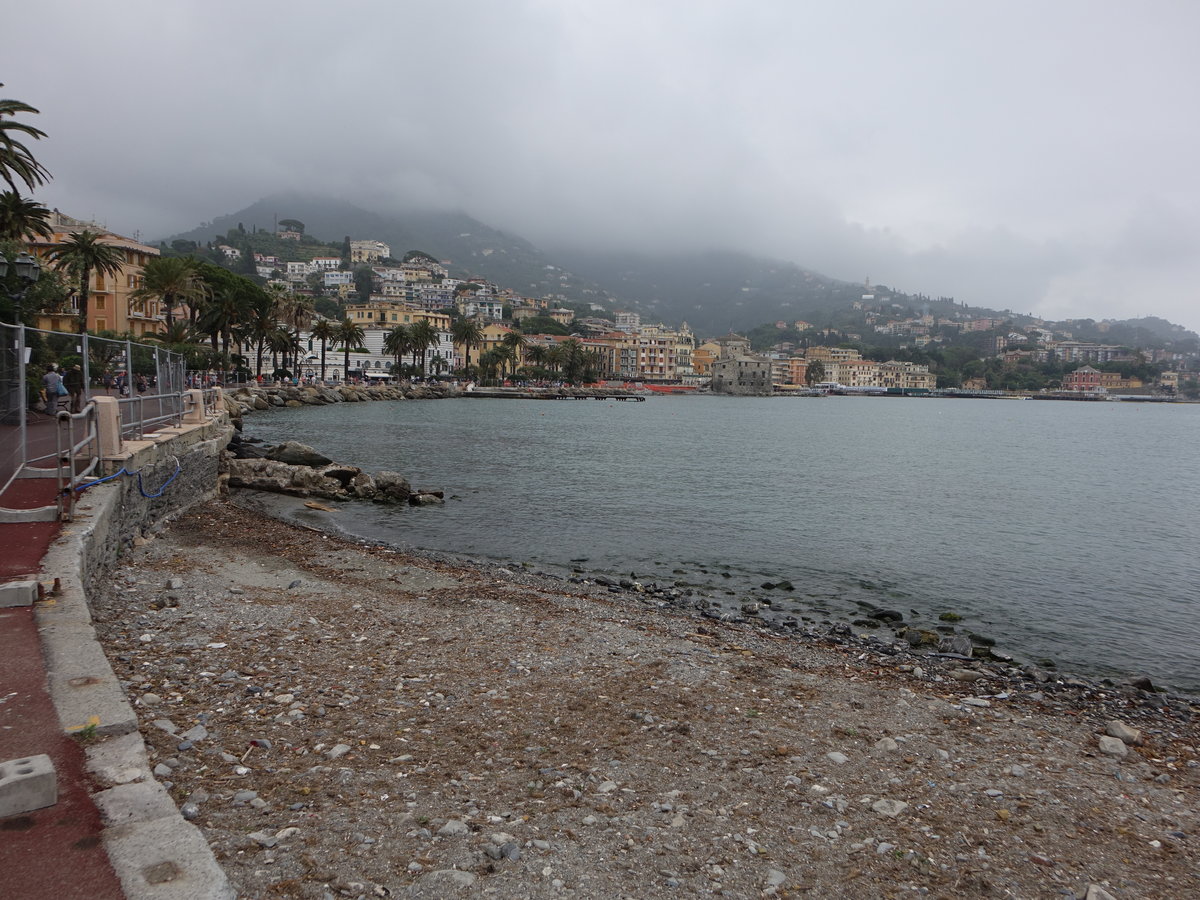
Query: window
point(99, 303)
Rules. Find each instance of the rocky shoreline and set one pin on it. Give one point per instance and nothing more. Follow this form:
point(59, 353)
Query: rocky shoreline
point(879, 628)
point(345, 720)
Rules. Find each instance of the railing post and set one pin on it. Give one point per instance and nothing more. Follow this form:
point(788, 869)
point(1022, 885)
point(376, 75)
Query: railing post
point(87, 368)
point(108, 425)
point(193, 402)
point(23, 394)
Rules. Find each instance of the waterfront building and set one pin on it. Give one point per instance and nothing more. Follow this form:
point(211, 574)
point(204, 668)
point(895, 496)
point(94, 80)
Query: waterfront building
point(109, 306)
point(828, 355)
point(1112, 381)
point(791, 370)
point(1085, 379)
point(703, 357)
point(741, 375)
point(376, 319)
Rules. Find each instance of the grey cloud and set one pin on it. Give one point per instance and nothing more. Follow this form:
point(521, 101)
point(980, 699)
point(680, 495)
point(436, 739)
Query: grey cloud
point(1026, 155)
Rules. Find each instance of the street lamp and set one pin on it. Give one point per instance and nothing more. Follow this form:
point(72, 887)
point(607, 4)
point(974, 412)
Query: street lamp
point(27, 270)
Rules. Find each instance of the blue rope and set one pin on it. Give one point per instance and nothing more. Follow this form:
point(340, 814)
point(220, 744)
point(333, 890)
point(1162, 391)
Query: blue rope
point(141, 484)
point(84, 487)
point(175, 474)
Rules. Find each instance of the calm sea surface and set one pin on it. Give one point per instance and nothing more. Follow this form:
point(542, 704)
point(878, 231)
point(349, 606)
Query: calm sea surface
point(1062, 530)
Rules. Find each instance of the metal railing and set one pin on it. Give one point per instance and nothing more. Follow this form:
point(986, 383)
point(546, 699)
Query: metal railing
point(74, 465)
point(140, 413)
point(212, 402)
point(30, 423)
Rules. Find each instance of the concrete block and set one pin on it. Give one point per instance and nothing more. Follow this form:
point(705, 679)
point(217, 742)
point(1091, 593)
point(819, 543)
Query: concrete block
point(165, 860)
point(26, 784)
point(119, 760)
point(128, 804)
point(17, 593)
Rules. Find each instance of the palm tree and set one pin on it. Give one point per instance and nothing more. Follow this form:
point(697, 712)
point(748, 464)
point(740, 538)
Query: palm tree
point(469, 333)
point(349, 335)
point(259, 329)
point(224, 312)
point(572, 359)
point(514, 342)
point(503, 357)
point(397, 342)
point(594, 360)
point(489, 361)
point(80, 255)
point(173, 280)
point(537, 354)
point(21, 218)
point(178, 333)
point(422, 336)
point(16, 161)
point(323, 331)
point(814, 373)
point(279, 342)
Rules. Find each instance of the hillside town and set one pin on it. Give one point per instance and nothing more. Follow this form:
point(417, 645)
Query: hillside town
point(361, 312)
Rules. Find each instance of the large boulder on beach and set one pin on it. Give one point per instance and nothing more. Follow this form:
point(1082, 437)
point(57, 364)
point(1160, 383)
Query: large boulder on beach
point(294, 453)
point(392, 487)
point(281, 478)
point(363, 487)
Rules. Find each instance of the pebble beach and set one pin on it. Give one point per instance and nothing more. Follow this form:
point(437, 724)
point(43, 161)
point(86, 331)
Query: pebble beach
point(343, 719)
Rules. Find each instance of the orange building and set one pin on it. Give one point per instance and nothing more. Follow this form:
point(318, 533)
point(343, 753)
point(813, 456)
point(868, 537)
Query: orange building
point(109, 308)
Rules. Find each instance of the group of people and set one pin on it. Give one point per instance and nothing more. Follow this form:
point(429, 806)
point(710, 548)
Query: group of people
point(60, 384)
point(56, 385)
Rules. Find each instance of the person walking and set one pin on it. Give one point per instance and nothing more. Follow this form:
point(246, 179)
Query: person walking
point(51, 388)
point(73, 379)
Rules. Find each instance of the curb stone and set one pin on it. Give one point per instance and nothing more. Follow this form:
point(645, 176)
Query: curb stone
point(156, 854)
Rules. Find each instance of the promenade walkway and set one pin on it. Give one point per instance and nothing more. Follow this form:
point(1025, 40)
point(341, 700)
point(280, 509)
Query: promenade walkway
point(56, 852)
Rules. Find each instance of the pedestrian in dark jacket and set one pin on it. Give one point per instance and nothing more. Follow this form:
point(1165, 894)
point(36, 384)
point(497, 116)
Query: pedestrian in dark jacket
point(74, 382)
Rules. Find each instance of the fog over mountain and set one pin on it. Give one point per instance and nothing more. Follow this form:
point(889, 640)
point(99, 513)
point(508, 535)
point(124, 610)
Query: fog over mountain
point(1030, 156)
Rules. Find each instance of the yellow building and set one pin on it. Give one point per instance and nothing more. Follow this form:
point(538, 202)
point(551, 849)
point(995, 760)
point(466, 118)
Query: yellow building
point(385, 314)
point(109, 308)
point(369, 251)
point(829, 355)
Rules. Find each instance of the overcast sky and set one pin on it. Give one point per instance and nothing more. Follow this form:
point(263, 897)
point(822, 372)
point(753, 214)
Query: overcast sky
point(1038, 156)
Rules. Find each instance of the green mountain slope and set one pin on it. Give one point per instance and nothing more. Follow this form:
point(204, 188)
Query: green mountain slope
point(715, 291)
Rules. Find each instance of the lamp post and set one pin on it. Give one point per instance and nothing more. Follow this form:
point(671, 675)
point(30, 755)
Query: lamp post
point(27, 269)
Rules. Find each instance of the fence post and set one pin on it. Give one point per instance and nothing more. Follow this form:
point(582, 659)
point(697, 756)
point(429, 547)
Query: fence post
point(87, 369)
point(23, 388)
point(194, 407)
point(108, 425)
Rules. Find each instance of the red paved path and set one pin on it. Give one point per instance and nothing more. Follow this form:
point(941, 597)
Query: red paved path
point(53, 853)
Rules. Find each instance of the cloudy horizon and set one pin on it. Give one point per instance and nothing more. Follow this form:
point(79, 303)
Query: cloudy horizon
point(1035, 157)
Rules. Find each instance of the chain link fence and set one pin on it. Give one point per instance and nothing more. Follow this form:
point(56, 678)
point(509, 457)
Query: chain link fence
point(148, 382)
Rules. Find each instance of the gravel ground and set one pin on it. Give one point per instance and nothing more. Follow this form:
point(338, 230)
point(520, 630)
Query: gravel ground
point(346, 720)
